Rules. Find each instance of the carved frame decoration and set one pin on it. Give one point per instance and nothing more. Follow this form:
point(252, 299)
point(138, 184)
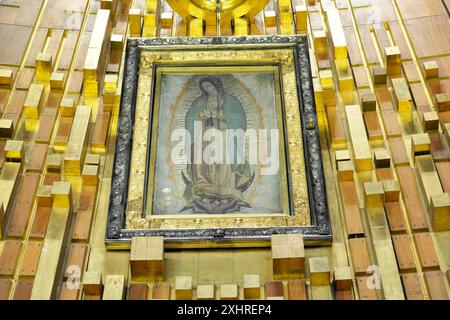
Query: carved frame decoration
point(125, 216)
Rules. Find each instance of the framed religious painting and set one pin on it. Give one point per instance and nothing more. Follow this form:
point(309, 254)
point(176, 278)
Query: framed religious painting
point(217, 144)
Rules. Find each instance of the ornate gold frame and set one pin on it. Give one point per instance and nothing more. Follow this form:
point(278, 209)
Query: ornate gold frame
point(286, 56)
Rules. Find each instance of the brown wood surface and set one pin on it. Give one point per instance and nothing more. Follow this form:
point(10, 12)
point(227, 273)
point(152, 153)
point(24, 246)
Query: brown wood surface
point(274, 289)
point(297, 289)
point(411, 285)
point(23, 290)
point(360, 255)
point(31, 258)
point(365, 293)
point(40, 222)
point(24, 204)
point(76, 257)
point(161, 291)
point(138, 291)
point(395, 217)
point(351, 208)
point(403, 251)
point(411, 197)
point(398, 152)
point(425, 248)
point(83, 219)
point(436, 285)
point(443, 170)
point(10, 257)
point(37, 157)
point(5, 287)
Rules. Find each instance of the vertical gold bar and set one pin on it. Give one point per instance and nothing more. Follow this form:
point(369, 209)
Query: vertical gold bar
point(98, 45)
point(183, 287)
point(114, 287)
point(402, 95)
point(429, 178)
point(385, 255)
point(78, 140)
point(151, 6)
point(301, 18)
point(6, 128)
point(393, 60)
point(57, 81)
point(150, 25)
point(358, 136)
point(8, 184)
point(339, 44)
point(51, 260)
point(241, 26)
point(6, 78)
point(62, 194)
point(134, 18)
point(33, 101)
point(319, 271)
point(14, 150)
point(43, 66)
point(440, 212)
point(196, 28)
point(431, 69)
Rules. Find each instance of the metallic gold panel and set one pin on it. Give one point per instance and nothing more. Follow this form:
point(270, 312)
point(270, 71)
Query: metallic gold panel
point(76, 147)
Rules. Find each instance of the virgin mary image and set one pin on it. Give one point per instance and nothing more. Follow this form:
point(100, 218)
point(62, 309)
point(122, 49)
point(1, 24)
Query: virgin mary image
point(216, 188)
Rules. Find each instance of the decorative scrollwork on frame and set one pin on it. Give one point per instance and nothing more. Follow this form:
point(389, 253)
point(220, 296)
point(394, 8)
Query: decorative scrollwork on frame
point(318, 232)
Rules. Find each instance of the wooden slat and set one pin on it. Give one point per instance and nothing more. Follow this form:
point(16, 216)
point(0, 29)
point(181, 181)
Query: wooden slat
point(37, 157)
point(395, 217)
point(411, 197)
point(411, 284)
point(335, 126)
point(274, 289)
point(403, 252)
point(360, 255)
point(68, 291)
point(5, 286)
point(372, 126)
point(138, 291)
point(10, 257)
point(365, 293)
point(83, 219)
point(31, 258)
point(24, 204)
point(384, 174)
point(23, 289)
point(68, 49)
point(297, 290)
point(391, 124)
point(436, 285)
point(46, 125)
point(75, 258)
point(344, 294)
point(161, 291)
point(98, 142)
point(51, 177)
point(40, 222)
point(398, 151)
point(63, 132)
point(351, 208)
point(438, 151)
point(425, 248)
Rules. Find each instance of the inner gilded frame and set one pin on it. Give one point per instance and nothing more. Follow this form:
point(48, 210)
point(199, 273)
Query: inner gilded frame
point(288, 58)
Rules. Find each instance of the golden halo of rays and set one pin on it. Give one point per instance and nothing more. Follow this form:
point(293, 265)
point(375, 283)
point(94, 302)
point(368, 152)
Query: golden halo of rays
point(229, 9)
